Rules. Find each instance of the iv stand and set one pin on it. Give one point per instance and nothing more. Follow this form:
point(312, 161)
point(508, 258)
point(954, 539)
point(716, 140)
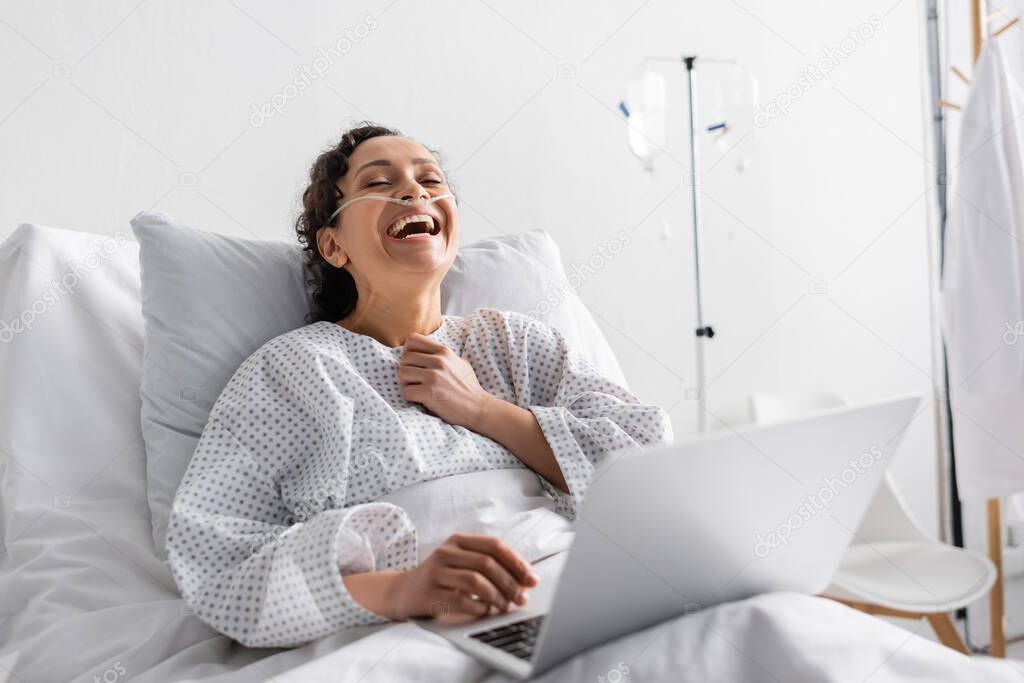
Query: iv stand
point(703, 332)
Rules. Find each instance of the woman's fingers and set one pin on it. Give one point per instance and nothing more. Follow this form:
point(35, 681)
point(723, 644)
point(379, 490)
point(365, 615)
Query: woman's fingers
point(488, 568)
point(412, 375)
point(473, 565)
point(420, 342)
point(473, 582)
point(504, 555)
point(461, 603)
point(420, 359)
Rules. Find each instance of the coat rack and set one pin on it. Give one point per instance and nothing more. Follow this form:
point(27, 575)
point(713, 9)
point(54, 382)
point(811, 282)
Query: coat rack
point(980, 20)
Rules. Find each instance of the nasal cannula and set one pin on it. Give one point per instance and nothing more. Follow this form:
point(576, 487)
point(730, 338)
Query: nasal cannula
point(383, 198)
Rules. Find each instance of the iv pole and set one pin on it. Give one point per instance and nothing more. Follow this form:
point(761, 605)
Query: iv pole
point(704, 332)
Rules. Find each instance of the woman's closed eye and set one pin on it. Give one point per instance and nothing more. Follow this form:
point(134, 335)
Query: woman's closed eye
point(433, 181)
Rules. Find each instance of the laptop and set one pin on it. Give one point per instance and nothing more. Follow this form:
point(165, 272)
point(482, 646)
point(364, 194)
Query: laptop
point(674, 529)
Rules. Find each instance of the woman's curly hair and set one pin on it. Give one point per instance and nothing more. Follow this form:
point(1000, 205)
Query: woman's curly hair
point(333, 289)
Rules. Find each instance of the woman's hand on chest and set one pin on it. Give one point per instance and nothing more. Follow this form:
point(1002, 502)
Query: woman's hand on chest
point(434, 376)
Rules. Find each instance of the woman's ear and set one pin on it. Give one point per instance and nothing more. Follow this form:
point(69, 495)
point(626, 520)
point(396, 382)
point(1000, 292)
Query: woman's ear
point(330, 248)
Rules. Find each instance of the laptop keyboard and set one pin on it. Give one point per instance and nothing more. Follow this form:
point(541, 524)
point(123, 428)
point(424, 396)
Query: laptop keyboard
point(517, 638)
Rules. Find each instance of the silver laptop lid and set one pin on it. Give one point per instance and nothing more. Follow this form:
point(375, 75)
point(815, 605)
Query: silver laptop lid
point(719, 518)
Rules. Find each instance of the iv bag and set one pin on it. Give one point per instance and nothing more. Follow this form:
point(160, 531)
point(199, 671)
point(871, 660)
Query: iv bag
point(730, 95)
point(647, 122)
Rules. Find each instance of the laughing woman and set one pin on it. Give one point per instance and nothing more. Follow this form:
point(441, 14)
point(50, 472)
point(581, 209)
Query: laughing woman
point(276, 538)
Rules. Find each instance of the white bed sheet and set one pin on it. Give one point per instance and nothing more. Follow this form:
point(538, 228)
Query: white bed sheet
point(775, 637)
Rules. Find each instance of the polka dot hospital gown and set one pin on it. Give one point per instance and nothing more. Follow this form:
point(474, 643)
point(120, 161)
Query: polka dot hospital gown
point(278, 501)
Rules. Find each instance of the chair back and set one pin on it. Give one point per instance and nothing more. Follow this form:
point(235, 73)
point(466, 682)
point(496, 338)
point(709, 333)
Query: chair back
point(888, 517)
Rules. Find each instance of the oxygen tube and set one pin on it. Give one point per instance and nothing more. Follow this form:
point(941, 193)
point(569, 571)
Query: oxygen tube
point(382, 198)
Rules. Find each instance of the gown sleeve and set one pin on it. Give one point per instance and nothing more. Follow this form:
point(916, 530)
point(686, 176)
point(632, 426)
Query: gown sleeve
point(241, 560)
point(584, 415)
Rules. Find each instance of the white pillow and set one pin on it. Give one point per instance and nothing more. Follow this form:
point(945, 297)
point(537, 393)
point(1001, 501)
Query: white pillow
point(524, 273)
point(70, 333)
point(209, 301)
point(73, 514)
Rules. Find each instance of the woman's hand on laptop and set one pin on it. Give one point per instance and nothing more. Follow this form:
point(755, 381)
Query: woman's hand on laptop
point(463, 566)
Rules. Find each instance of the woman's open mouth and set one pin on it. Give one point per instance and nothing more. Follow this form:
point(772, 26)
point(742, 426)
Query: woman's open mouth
point(415, 226)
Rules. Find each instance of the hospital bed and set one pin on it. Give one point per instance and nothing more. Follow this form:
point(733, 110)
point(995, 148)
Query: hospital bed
point(86, 596)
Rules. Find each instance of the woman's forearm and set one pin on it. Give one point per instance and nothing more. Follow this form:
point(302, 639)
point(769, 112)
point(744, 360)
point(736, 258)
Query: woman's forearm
point(376, 591)
point(517, 430)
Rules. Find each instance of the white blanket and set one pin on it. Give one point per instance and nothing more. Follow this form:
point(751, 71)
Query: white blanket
point(94, 603)
point(775, 637)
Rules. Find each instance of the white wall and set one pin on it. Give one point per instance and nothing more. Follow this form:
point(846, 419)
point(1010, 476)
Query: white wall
point(815, 257)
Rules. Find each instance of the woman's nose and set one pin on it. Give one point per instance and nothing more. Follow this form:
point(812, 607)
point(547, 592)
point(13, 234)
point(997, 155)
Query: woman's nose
point(415, 191)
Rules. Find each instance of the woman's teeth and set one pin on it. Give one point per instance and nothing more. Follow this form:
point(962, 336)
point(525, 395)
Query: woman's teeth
point(397, 228)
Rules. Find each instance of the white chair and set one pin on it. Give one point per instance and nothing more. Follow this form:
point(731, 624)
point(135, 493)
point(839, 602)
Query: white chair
point(892, 567)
